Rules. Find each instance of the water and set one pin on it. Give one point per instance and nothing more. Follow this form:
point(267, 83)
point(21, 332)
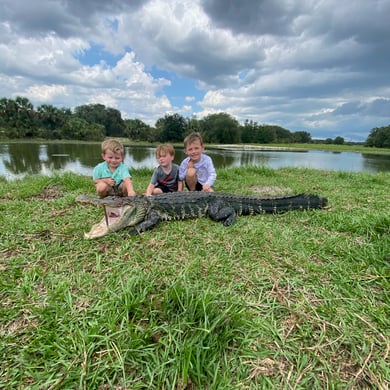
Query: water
point(20, 159)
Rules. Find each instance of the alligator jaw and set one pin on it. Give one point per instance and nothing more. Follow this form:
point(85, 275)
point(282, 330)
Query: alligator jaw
point(115, 218)
point(103, 227)
point(98, 230)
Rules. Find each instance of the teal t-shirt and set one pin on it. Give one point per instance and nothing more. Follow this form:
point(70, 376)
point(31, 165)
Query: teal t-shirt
point(102, 171)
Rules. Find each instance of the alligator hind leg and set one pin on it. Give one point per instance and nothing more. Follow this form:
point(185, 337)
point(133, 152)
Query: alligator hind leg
point(221, 213)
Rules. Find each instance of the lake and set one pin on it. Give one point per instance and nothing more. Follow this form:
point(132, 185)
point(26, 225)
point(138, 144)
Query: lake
point(22, 158)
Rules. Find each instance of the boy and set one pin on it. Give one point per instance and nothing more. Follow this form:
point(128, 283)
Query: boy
point(112, 177)
point(165, 177)
point(197, 170)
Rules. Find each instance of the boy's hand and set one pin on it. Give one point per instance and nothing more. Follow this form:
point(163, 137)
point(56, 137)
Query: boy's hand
point(109, 180)
point(206, 188)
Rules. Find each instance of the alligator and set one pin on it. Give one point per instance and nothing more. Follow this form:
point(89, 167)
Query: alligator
point(141, 213)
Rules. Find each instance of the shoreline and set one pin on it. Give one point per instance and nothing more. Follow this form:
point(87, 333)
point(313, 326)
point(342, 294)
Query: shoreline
point(257, 147)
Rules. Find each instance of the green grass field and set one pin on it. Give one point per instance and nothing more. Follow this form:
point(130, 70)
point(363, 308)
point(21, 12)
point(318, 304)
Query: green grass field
point(290, 301)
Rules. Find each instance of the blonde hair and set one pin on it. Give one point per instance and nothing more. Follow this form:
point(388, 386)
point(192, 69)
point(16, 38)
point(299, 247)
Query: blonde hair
point(165, 149)
point(114, 146)
point(192, 137)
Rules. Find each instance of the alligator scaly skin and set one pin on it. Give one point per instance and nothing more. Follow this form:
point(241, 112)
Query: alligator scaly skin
point(143, 213)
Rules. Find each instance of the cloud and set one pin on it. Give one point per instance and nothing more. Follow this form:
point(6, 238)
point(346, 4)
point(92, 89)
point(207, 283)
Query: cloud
point(256, 17)
point(306, 65)
point(376, 107)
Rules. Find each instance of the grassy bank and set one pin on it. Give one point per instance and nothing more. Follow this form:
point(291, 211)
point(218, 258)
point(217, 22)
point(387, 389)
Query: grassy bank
point(296, 301)
point(305, 147)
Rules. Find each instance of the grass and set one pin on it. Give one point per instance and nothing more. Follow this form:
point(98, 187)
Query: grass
point(292, 301)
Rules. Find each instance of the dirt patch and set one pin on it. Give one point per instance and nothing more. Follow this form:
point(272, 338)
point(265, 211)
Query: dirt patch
point(49, 193)
point(271, 190)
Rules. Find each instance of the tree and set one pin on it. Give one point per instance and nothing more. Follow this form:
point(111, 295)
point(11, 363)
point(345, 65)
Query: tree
point(110, 118)
point(77, 128)
point(255, 133)
point(265, 134)
point(338, 140)
point(248, 131)
point(171, 127)
point(301, 137)
point(50, 120)
point(92, 113)
point(193, 124)
point(8, 112)
point(282, 135)
point(137, 130)
point(113, 123)
point(18, 117)
point(379, 137)
point(25, 115)
point(221, 128)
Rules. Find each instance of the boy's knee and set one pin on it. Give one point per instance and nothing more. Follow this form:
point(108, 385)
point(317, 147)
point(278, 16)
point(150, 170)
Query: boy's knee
point(102, 189)
point(157, 191)
point(191, 173)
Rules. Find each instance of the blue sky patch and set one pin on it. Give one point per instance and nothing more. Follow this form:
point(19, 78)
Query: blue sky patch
point(180, 89)
point(96, 54)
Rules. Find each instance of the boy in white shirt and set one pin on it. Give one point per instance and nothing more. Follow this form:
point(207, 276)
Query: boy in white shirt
point(197, 170)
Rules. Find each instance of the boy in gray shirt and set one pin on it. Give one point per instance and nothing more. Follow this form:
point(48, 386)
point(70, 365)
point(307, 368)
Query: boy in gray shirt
point(165, 177)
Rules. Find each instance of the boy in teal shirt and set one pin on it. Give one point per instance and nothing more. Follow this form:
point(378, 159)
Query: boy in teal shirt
point(112, 177)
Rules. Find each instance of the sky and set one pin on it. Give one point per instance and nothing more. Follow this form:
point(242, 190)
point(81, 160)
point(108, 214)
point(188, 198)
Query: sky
point(321, 66)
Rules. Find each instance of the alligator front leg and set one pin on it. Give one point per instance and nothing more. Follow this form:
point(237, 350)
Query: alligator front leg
point(219, 212)
point(151, 220)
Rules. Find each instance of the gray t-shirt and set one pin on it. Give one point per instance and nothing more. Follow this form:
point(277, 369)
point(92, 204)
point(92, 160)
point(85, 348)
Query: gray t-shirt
point(163, 180)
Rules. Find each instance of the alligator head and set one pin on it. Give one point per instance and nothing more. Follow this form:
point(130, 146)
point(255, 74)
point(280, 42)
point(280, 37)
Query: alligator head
point(118, 214)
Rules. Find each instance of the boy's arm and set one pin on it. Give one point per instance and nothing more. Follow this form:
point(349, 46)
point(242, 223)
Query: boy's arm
point(211, 174)
point(99, 175)
point(153, 182)
point(108, 180)
point(128, 184)
point(149, 189)
point(126, 179)
point(183, 169)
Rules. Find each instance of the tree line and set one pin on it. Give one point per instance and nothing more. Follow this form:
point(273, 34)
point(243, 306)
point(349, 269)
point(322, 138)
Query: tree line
point(19, 119)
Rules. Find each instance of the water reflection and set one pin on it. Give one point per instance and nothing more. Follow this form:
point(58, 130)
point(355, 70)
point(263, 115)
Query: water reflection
point(138, 155)
point(378, 164)
point(27, 160)
point(235, 158)
point(19, 159)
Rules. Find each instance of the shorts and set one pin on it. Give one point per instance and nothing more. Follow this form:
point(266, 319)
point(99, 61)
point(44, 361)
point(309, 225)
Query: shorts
point(163, 188)
point(116, 190)
point(198, 187)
